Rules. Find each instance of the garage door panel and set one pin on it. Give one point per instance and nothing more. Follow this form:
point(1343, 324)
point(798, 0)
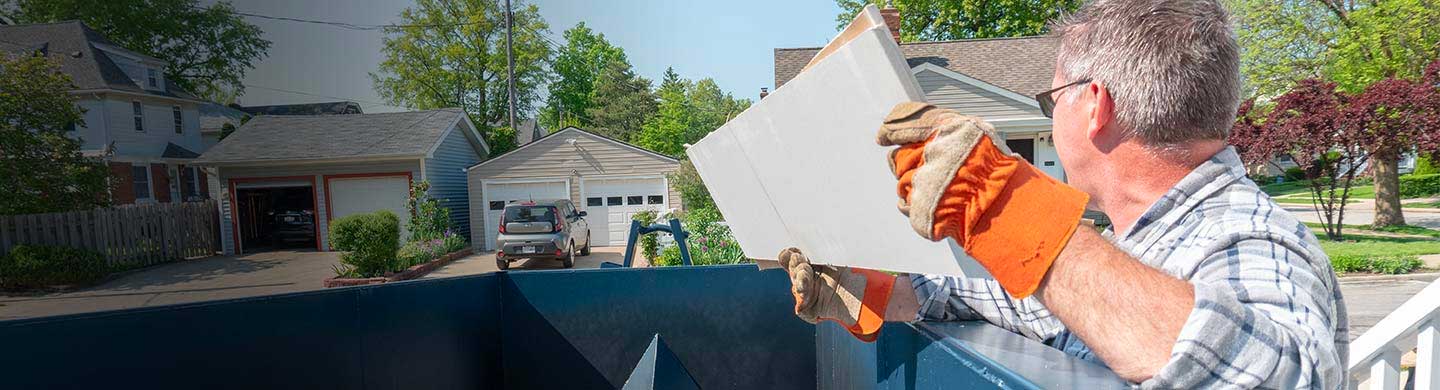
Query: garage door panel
point(498, 194)
point(350, 196)
point(613, 203)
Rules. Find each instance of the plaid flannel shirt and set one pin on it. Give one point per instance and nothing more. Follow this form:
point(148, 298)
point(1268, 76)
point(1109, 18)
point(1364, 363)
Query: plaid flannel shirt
point(1268, 311)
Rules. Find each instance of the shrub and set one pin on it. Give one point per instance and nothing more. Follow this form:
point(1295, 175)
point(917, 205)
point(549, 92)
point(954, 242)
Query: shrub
point(428, 220)
point(371, 242)
point(668, 257)
point(33, 266)
point(693, 193)
point(1348, 264)
point(1425, 166)
point(421, 251)
point(649, 243)
point(1392, 265)
point(1417, 186)
point(1294, 174)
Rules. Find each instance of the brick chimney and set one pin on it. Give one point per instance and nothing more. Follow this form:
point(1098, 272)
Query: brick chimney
point(764, 92)
point(892, 20)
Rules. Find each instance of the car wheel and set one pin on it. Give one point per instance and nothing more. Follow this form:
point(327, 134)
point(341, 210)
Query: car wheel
point(586, 250)
point(502, 264)
point(569, 260)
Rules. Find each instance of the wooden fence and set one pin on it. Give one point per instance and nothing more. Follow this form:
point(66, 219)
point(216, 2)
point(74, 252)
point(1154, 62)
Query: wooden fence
point(133, 235)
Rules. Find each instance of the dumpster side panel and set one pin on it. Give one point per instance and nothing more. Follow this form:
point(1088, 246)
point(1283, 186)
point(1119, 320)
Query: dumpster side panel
point(732, 327)
point(433, 334)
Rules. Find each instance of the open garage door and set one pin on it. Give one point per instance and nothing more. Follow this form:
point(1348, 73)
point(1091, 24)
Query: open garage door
point(273, 213)
point(497, 194)
point(363, 194)
point(612, 203)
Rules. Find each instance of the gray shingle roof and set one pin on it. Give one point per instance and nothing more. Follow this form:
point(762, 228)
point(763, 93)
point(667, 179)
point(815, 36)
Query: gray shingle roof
point(1021, 65)
point(70, 43)
point(176, 151)
point(213, 116)
point(305, 137)
point(343, 107)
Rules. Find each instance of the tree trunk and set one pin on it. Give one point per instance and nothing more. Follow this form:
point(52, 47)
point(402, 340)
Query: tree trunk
point(1385, 164)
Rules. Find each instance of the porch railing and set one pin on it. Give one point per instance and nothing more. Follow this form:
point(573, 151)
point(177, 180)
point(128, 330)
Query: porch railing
point(1416, 324)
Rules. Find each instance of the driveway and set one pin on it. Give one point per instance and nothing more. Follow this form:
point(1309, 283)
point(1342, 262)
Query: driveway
point(1370, 300)
point(485, 262)
point(211, 278)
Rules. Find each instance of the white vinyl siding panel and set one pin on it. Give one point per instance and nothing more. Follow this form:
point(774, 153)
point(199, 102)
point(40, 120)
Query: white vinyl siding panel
point(446, 173)
point(159, 125)
point(971, 100)
point(553, 158)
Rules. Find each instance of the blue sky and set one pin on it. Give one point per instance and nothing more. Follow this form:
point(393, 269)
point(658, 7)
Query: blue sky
point(730, 41)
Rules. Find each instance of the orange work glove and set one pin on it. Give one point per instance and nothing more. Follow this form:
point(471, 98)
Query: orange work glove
point(956, 182)
point(854, 298)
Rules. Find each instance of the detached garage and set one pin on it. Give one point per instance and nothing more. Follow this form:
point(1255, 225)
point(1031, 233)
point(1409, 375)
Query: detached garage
point(609, 179)
point(282, 179)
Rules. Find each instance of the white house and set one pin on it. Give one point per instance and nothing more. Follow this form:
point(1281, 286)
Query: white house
point(996, 79)
point(144, 127)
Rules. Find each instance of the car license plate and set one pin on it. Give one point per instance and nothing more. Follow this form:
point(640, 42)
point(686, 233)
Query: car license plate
point(289, 219)
point(527, 249)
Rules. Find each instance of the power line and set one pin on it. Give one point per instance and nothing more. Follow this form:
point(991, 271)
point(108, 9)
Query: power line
point(345, 25)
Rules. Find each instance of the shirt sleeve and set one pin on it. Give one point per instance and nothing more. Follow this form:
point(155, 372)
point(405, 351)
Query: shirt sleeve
point(947, 298)
point(1266, 314)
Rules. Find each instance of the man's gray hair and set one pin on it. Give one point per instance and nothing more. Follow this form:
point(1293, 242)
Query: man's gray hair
point(1171, 66)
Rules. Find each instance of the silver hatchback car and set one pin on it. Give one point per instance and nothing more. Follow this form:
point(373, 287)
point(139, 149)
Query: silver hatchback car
point(545, 229)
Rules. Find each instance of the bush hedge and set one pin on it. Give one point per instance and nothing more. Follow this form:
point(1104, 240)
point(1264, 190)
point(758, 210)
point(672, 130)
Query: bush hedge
point(371, 242)
point(1425, 166)
point(1416, 186)
point(35, 266)
point(1392, 265)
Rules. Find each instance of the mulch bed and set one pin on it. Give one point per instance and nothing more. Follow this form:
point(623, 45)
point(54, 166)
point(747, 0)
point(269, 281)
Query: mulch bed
point(413, 272)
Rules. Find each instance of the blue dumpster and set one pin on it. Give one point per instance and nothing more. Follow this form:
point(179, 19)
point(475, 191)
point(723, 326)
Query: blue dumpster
point(731, 327)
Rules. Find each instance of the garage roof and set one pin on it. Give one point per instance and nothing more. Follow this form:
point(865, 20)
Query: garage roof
point(316, 137)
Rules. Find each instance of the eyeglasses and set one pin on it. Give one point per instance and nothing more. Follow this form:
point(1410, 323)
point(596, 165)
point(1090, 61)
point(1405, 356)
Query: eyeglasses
point(1047, 100)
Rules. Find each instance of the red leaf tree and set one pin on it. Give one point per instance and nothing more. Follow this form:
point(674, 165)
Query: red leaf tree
point(1308, 125)
point(1394, 117)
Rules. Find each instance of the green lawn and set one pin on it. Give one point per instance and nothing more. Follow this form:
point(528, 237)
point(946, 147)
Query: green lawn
point(1374, 246)
point(1416, 230)
point(1422, 205)
point(1298, 192)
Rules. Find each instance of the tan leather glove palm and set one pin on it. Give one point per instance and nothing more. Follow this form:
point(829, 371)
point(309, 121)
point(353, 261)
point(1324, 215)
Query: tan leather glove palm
point(854, 298)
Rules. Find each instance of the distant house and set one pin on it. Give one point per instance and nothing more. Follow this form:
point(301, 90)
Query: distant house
point(528, 131)
point(993, 78)
point(213, 118)
point(139, 122)
point(324, 108)
point(322, 167)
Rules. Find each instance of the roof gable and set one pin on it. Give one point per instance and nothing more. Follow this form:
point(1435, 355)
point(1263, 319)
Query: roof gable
point(1024, 66)
point(72, 44)
point(555, 139)
point(314, 137)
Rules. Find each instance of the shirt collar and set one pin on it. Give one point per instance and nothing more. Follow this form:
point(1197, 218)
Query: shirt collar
point(1214, 174)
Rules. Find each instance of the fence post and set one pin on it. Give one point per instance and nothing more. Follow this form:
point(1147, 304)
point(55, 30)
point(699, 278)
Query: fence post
point(1385, 370)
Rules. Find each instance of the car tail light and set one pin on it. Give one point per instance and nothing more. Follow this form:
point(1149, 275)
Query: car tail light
point(500, 254)
point(502, 227)
point(559, 222)
point(559, 253)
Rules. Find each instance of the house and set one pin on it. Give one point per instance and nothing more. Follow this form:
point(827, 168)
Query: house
point(323, 108)
point(140, 123)
point(528, 131)
point(996, 79)
point(213, 119)
point(331, 166)
point(609, 179)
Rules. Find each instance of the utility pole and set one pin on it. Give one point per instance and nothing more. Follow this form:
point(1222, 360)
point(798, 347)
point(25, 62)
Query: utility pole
point(510, 62)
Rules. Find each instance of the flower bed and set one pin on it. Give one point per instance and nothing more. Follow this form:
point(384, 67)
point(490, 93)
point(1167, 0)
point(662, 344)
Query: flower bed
point(412, 272)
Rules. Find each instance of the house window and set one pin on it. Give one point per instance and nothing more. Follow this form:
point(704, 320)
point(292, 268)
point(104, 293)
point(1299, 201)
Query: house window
point(634, 199)
point(139, 113)
point(178, 118)
point(654, 199)
point(140, 176)
point(497, 205)
point(594, 201)
point(192, 182)
point(612, 201)
point(152, 78)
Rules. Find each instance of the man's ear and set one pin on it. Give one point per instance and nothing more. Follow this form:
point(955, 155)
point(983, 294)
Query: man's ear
point(1102, 109)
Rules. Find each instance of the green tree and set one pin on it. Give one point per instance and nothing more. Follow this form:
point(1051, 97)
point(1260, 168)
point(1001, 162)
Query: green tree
point(452, 54)
point(41, 168)
point(1283, 42)
point(622, 102)
point(207, 49)
point(939, 20)
point(1389, 39)
point(577, 65)
point(665, 132)
point(712, 108)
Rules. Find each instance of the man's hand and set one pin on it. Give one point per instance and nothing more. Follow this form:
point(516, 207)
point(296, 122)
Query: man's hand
point(956, 182)
point(854, 298)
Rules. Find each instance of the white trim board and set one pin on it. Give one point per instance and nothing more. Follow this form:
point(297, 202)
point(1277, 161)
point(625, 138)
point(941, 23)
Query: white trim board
point(569, 128)
point(1030, 101)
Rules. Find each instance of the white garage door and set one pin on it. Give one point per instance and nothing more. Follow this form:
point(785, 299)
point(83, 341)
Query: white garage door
point(499, 194)
point(357, 195)
point(612, 203)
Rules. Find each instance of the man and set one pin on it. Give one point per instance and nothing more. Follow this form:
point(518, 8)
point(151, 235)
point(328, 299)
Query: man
point(1200, 281)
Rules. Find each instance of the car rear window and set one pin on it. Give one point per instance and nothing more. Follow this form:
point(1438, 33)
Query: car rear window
point(529, 214)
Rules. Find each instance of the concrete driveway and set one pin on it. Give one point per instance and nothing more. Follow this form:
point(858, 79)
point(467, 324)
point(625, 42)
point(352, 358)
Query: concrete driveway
point(485, 262)
point(211, 278)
